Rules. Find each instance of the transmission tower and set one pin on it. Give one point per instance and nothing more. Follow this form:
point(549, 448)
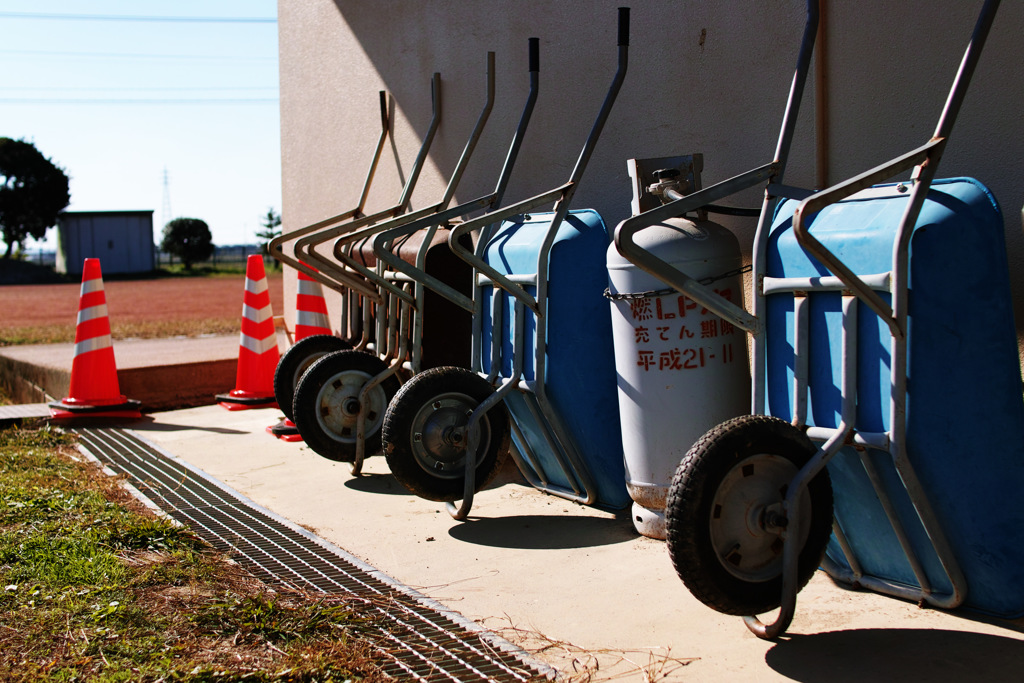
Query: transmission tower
point(165, 213)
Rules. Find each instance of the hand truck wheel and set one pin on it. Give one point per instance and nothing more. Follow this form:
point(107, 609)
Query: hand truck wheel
point(326, 406)
point(296, 360)
point(425, 437)
point(726, 520)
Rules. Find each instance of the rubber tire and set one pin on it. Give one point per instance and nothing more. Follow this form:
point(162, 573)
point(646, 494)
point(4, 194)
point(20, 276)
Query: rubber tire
point(690, 504)
point(414, 404)
point(352, 369)
point(296, 360)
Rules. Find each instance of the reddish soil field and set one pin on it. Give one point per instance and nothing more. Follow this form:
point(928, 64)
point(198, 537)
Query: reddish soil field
point(163, 300)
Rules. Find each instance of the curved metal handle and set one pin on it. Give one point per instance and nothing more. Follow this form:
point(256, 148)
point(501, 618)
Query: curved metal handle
point(924, 160)
point(401, 226)
point(498, 278)
point(649, 263)
point(774, 171)
point(343, 240)
point(337, 278)
point(276, 246)
point(332, 273)
point(382, 240)
point(563, 195)
point(474, 137)
point(421, 157)
point(429, 216)
point(838, 192)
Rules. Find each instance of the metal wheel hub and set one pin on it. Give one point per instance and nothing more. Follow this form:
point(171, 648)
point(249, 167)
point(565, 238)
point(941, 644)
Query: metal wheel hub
point(338, 405)
point(304, 365)
point(350, 407)
point(454, 437)
point(748, 520)
point(439, 435)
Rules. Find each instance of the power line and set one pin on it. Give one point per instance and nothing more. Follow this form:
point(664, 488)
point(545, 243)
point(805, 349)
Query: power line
point(125, 17)
point(100, 88)
point(96, 100)
point(130, 55)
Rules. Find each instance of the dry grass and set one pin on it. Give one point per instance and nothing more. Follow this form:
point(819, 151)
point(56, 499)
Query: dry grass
point(150, 329)
point(95, 587)
point(581, 665)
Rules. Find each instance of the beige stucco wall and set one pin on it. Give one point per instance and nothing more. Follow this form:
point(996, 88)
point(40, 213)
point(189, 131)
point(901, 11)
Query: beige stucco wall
point(704, 76)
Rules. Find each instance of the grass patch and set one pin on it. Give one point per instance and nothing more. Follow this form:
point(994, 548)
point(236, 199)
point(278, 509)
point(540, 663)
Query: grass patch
point(95, 587)
point(150, 329)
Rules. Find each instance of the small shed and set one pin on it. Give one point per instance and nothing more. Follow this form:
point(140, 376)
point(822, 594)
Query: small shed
point(122, 240)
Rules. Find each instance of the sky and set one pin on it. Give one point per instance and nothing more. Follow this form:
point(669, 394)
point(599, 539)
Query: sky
point(169, 106)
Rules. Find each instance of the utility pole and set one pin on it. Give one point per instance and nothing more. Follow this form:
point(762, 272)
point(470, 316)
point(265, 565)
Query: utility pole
point(165, 213)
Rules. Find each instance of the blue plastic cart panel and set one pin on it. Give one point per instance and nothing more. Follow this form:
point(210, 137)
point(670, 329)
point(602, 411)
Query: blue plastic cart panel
point(580, 359)
point(965, 415)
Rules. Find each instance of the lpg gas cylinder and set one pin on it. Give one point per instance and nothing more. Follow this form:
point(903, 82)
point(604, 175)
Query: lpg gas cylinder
point(681, 369)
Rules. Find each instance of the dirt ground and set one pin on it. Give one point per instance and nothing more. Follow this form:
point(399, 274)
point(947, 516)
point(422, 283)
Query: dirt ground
point(134, 301)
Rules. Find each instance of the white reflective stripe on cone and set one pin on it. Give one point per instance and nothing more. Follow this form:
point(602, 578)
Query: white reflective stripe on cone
point(94, 344)
point(90, 286)
point(258, 346)
point(310, 287)
point(92, 312)
point(256, 286)
point(311, 319)
point(256, 315)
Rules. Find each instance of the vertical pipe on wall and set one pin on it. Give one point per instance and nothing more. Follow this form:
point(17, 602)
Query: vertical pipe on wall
point(821, 132)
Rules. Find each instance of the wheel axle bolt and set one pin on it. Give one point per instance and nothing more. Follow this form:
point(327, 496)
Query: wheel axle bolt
point(775, 520)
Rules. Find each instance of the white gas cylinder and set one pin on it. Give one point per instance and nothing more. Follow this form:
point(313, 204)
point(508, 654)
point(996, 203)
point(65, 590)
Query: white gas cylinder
point(681, 369)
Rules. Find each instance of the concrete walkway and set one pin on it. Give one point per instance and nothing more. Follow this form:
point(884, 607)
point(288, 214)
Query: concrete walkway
point(575, 585)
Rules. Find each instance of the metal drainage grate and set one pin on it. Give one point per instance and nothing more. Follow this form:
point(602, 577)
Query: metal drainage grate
point(423, 640)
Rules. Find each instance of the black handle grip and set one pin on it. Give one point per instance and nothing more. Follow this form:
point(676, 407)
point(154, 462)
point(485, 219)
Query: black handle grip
point(534, 54)
point(623, 26)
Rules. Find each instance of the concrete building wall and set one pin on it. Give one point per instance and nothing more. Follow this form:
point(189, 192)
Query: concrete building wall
point(704, 76)
point(122, 240)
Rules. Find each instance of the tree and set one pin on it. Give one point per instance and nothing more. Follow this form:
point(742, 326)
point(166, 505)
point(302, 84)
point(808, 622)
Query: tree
point(271, 228)
point(189, 239)
point(33, 192)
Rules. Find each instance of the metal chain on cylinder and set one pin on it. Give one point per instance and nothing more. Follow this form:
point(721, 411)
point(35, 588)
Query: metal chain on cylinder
point(655, 293)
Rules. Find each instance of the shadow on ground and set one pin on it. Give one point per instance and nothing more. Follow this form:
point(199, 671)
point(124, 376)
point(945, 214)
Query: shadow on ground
point(898, 655)
point(377, 483)
point(543, 532)
point(147, 423)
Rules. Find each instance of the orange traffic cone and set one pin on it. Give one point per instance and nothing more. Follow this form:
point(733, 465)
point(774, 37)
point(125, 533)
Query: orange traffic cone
point(310, 309)
point(94, 390)
point(310, 319)
point(257, 352)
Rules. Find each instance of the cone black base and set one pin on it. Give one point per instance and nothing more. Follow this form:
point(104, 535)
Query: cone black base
point(242, 402)
point(130, 408)
point(285, 430)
